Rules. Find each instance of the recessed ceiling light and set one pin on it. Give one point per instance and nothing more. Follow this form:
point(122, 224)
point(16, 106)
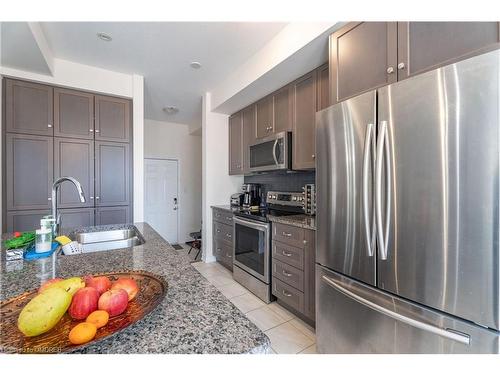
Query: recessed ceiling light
point(105, 37)
point(195, 65)
point(171, 110)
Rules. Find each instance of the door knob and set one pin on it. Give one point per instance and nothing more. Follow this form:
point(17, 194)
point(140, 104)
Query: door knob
point(390, 70)
point(401, 65)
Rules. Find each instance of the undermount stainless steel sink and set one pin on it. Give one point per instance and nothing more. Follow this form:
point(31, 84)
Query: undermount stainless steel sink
point(108, 239)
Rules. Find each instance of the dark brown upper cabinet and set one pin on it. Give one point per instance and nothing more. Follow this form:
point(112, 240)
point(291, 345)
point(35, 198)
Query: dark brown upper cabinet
point(29, 171)
point(73, 114)
point(112, 174)
point(249, 135)
point(28, 108)
point(74, 157)
point(282, 109)
point(423, 46)
point(112, 119)
point(264, 117)
point(304, 119)
point(322, 87)
point(363, 56)
point(235, 144)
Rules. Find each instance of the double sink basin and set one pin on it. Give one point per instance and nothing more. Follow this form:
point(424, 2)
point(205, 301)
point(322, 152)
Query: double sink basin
point(108, 239)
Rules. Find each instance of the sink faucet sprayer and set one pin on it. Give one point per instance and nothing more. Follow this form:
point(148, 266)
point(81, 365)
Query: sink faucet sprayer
point(55, 186)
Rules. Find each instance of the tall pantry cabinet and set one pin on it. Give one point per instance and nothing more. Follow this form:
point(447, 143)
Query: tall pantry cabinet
point(51, 132)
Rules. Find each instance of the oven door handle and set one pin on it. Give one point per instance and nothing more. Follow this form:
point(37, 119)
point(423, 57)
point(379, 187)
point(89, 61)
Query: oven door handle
point(251, 224)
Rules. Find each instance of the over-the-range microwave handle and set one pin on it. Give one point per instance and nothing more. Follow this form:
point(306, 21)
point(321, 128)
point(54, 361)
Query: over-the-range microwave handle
point(383, 153)
point(367, 151)
point(274, 152)
point(447, 333)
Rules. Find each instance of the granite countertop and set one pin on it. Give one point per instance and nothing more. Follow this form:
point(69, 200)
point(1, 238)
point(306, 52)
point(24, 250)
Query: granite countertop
point(194, 317)
point(301, 220)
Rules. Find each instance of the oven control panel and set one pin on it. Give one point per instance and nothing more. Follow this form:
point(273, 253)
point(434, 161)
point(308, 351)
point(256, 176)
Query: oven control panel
point(285, 198)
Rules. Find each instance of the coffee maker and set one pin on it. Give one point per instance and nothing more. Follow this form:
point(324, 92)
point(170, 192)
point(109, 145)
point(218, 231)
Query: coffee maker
point(251, 195)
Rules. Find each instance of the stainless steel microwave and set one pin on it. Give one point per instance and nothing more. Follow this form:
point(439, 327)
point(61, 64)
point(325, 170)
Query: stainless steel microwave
point(271, 153)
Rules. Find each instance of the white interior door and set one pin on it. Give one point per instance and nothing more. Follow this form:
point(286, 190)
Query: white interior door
point(160, 197)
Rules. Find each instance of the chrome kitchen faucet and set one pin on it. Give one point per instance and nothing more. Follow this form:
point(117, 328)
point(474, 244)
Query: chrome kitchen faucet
point(55, 187)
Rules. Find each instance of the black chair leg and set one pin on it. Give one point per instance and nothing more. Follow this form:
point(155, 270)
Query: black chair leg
point(198, 253)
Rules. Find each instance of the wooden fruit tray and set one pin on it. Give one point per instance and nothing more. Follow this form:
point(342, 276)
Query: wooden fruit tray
point(152, 290)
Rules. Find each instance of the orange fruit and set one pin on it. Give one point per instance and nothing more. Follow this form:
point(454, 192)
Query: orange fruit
point(99, 318)
point(82, 333)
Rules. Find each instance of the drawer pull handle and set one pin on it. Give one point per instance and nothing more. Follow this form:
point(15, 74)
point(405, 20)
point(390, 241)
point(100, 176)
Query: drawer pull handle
point(229, 256)
point(287, 274)
point(218, 230)
point(286, 234)
point(286, 294)
point(286, 254)
point(229, 218)
point(219, 249)
point(228, 235)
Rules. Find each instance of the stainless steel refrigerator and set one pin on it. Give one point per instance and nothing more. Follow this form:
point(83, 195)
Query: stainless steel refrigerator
point(408, 215)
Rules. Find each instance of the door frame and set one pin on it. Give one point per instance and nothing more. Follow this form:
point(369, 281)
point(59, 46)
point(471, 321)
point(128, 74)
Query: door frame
point(177, 185)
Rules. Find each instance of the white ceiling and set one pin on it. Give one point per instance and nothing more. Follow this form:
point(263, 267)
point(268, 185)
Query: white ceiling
point(161, 52)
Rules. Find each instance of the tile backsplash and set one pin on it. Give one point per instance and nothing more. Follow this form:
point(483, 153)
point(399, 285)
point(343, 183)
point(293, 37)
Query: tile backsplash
point(282, 181)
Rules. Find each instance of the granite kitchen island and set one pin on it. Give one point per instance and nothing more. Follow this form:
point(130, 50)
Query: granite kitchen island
point(194, 317)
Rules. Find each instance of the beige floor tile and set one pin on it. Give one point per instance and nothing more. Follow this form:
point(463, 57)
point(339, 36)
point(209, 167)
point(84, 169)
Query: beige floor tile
point(286, 339)
point(265, 318)
point(219, 280)
point(305, 328)
point(247, 302)
point(231, 290)
point(310, 350)
point(285, 314)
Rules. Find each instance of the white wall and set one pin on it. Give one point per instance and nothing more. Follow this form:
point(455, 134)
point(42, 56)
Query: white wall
point(85, 77)
point(167, 140)
point(217, 184)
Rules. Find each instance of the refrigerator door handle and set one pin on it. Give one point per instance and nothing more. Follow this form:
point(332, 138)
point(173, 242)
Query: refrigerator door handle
point(443, 332)
point(369, 232)
point(383, 233)
point(378, 188)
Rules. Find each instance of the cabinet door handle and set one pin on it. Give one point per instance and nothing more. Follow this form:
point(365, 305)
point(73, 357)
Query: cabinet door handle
point(49, 198)
point(91, 130)
point(286, 254)
point(286, 294)
point(97, 198)
point(97, 130)
point(228, 235)
point(313, 156)
point(390, 70)
point(218, 249)
point(229, 256)
point(217, 230)
point(229, 218)
point(49, 125)
point(401, 65)
point(287, 274)
point(91, 198)
point(286, 234)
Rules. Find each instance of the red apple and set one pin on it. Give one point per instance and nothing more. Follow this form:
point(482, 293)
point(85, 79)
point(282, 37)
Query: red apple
point(113, 301)
point(101, 283)
point(127, 284)
point(48, 283)
point(84, 302)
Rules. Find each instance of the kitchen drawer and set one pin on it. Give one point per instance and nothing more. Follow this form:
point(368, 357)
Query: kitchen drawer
point(290, 255)
point(223, 232)
point(289, 295)
point(223, 253)
point(223, 216)
point(288, 274)
point(289, 234)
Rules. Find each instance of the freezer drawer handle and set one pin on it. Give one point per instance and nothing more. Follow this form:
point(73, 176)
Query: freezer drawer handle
point(444, 332)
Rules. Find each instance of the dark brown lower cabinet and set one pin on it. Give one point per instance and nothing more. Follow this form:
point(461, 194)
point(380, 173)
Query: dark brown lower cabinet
point(77, 217)
point(293, 275)
point(112, 215)
point(222, 237)
point(21, 221)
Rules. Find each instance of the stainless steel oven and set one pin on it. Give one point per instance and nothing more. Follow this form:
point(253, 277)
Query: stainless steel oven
point(252, 256)
point(271, 153)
